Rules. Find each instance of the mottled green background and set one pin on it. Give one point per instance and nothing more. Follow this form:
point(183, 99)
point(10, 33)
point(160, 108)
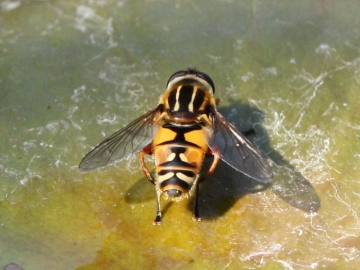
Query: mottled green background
point(73, 72)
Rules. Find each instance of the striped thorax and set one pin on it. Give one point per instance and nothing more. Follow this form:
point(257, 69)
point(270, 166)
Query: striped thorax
point(187, 97)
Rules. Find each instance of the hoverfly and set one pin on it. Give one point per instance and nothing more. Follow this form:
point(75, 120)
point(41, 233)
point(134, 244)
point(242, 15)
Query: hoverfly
point(179, 132)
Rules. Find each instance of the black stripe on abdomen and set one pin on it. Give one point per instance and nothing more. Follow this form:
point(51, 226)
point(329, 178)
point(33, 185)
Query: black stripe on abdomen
point(177, 162)
point(174, 180)
point(180, 134)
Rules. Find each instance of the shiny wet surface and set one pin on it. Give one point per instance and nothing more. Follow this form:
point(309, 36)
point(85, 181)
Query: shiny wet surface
point(75, 72)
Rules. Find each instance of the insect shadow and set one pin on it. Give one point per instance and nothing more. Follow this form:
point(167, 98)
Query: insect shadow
point(226, 186)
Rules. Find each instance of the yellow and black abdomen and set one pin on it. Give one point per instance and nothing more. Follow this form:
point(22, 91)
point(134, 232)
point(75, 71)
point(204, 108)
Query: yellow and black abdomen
point(179, 153)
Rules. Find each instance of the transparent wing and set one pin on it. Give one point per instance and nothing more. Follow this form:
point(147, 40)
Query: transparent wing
point(233, 148)
point(128, 140)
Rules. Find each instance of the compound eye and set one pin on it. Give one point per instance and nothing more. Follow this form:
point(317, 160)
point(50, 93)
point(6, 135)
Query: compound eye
point(207, 78)
point(175, 75)
point(195, 72)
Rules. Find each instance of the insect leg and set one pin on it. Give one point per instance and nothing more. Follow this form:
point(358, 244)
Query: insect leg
point(157, 220)
point(196, 205)
point(211, 169)
point(146, 150)
point(202, 178)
